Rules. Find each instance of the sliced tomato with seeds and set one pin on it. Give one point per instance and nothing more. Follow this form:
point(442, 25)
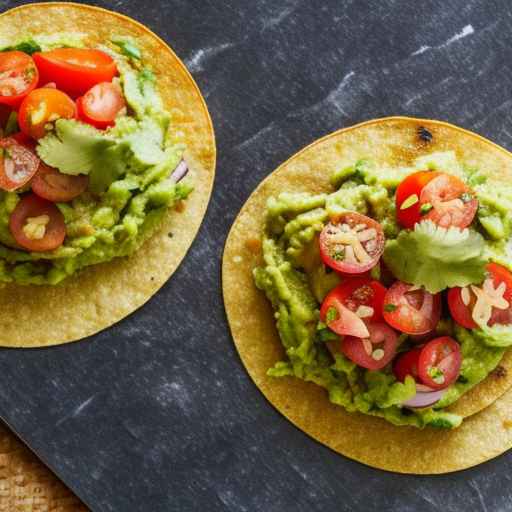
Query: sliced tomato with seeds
point(407, 198)
point(100, 105)
point(17, 164)
point(55, 186)
point(375, 351)
point(442, 198)
point(453, 202)
point(75, 70)
point(407, 364)
point(353, 244)
point(18, 76)
point(493, 300)
point(354, 302)
point(410, 309)
point(460, 311)
point(439, 362)
point(37, 224)
point(43, 106)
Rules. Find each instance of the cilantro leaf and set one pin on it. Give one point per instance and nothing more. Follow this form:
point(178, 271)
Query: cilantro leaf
point(436, 258)
point(77, 148)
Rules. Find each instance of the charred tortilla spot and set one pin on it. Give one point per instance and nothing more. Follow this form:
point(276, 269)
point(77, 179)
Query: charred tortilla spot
point(500, 371)
point(424, 134)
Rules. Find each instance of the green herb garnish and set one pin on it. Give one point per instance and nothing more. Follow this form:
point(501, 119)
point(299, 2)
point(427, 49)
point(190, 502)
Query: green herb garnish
point(331, 315)
point(338, 255)
point(425, 208)
point(389, 308)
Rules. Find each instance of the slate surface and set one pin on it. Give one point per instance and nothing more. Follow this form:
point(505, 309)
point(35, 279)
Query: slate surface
point(157, 413)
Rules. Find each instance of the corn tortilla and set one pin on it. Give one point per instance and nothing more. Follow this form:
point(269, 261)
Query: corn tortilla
point(368, 439)
point(101, 295)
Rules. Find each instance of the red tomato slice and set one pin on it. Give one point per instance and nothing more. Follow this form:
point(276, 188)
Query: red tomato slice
point(57, 187)
point(344, 321)
point(374, 352)
point(75, 70)
point(439, 362)
point(353, 244)
point(18, 76)
point(411, 187)
point(17, 164)
point(347, 299)
point(440, 197)
point(100, 105)
point(37, 224)
point(407, 364)
point(410, 310)
point(459, 311)
point(41, 107)
point(454, 204)
point(462, 313)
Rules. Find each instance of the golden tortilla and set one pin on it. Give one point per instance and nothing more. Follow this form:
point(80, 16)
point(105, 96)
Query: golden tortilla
point(367, 439)
point(101, 295)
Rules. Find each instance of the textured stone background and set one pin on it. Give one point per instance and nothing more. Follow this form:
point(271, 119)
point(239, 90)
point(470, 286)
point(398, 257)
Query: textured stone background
point(157, 413)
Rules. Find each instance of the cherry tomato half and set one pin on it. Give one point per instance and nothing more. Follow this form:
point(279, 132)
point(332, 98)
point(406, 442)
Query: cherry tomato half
point(55, 186)
point(407, 364)
point(353, 244)
point(411, 310)
point(41, 107)
point(439, 362)
point(463, 313)
point(374, 352)
point(362, 297)
point(18, 76)
point(442, 198)
point(100, 105)
point(75, 70)
point(37, 224)
point(17, 164)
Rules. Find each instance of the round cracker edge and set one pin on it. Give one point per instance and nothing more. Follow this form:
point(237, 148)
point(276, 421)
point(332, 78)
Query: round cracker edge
point(489, 412)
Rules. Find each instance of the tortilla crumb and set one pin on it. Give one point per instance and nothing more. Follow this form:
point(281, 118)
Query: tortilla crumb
point(180, 206)
point(507, 424)
point(254, 245)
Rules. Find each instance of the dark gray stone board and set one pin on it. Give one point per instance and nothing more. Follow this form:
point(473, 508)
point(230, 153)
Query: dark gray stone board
point(157, 413)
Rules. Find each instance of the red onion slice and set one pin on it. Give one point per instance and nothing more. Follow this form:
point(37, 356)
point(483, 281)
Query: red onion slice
point(421, 399)
point(180, 172)
point(421, 388)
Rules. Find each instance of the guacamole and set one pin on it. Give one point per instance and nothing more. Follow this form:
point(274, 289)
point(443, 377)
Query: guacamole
point(129, 166)
point(296, 282)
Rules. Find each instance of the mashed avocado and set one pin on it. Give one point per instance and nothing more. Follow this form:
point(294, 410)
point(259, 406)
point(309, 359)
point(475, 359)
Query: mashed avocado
point(295, 281)
point(128, 166)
